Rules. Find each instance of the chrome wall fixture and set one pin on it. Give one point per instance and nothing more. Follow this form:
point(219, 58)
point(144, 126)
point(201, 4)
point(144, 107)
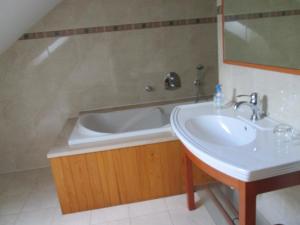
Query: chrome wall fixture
point(148, 88)
point(200, 76)
point(172, 81)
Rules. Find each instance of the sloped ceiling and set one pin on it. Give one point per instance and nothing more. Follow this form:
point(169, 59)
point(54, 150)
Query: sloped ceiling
point(17, 16)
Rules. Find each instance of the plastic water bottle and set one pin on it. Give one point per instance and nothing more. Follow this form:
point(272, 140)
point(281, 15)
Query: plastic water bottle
point(218, 97)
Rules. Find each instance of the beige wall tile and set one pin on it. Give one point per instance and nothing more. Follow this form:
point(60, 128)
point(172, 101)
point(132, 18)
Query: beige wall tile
point(89, 13)
point(45, 81)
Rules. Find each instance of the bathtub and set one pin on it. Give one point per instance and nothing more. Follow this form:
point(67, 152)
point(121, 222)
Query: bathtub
point(122, 125)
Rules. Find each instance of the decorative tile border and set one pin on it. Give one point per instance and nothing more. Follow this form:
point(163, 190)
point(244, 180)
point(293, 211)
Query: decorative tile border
point(122, 27)
point(149, 25)
point(260, 15)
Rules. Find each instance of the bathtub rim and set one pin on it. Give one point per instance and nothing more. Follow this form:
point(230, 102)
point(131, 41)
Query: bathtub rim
point(107, 146)
point(61, 147)
point(205, 98)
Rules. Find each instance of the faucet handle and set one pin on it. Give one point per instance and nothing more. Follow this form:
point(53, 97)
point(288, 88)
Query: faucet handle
point(172, 81)
point(253, 97)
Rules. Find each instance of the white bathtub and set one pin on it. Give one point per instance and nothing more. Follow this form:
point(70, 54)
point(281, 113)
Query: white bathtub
point(122, 125)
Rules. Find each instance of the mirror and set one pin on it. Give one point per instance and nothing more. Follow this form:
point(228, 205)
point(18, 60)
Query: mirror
point(262, 34)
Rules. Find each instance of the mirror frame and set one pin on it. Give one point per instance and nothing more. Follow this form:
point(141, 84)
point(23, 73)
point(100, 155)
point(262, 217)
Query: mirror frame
point(247, 64)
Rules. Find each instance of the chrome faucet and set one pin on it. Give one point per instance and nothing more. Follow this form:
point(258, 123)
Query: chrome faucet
point(253, 104)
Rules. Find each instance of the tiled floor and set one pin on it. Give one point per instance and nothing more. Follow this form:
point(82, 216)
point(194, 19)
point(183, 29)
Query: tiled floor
point(29, 198)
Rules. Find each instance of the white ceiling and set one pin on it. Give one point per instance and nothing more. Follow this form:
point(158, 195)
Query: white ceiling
point(17, 16)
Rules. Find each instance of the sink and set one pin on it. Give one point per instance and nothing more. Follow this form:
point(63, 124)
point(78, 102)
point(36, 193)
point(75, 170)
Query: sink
point(232, 144)
point(221, 130)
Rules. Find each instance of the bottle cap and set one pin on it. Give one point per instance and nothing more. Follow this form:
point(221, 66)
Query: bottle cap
point(218, 88)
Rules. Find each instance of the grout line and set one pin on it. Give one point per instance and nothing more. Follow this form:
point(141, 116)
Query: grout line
point(21, 209)
point(130, 221)
point(15, 220)
point(90, 216)
point(52, 219)
point(24, 170)
point(128, 213)
point(149, 214)
point(170, 217)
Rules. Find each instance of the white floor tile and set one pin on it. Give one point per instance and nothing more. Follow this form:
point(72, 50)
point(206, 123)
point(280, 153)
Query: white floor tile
point(45, 180)
point(117, 222)
point(199, 216)
point(8, 219)
point(80, 218)
point(147, 207)
point(29, 198)
point(20, 183)
point(179, 202)
point(5, 180)
point(12, 204)
point(109, 214)
point(154, 219)
point(120, 222)
point(41, 199)
point(37, 217)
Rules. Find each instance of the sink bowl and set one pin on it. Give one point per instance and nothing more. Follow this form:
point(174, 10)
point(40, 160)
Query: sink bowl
point(234, 145)
point(221, 130)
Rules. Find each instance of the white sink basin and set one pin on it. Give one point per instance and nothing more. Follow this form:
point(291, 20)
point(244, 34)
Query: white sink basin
point(221, 130)
point(229, 142)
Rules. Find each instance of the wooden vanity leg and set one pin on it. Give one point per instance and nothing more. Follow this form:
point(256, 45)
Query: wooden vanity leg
point(247, 208)
point(189, 184)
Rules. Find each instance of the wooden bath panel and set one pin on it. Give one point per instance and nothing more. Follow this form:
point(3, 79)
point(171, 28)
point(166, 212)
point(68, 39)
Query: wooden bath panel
point(119, 176)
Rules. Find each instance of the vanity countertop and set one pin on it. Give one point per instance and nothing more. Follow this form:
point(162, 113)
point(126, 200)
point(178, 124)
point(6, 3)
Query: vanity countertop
point(262, 158)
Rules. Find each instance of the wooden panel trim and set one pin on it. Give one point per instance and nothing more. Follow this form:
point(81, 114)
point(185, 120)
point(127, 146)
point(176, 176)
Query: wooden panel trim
point(276, 183)
point(261, 186)
point(230, 181)
point(120, 176)
point(189, 184)
point(252, 65)
point(263, 67)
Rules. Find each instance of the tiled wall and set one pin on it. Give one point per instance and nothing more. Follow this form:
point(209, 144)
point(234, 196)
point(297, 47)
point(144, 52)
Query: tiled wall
point(44, 81)
point(119, 27)
point(283, 93)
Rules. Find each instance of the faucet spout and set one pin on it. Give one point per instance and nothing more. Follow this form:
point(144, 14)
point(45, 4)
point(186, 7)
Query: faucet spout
point(255, 109)
point(253, 104)
point(238, 104)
